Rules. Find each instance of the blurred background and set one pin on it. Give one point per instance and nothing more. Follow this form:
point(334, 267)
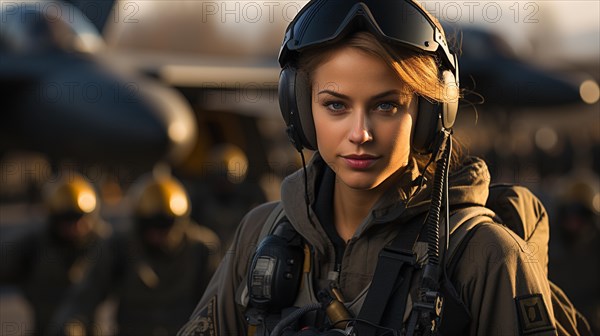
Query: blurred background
point(113, 89)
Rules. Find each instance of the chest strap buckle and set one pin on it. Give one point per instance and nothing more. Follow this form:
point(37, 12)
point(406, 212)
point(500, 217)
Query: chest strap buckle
point(399, 254)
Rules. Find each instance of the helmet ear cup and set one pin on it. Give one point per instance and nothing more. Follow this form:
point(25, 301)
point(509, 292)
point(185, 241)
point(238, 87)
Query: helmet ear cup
point(451, 93)
point(431, 116)
point(295, 105)
point(427, 125)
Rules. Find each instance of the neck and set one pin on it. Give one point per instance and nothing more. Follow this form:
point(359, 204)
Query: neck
point(351, 207)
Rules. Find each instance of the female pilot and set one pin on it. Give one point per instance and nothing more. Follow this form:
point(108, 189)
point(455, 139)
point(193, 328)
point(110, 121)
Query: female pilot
point(357, 248)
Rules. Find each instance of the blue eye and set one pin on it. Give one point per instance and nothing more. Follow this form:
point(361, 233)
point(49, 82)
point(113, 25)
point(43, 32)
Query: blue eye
point(335, 106)
point(387, 107)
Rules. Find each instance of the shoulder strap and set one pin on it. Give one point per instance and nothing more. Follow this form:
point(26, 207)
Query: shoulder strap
point(274, 217)
point(388, 280)
point(462, 222)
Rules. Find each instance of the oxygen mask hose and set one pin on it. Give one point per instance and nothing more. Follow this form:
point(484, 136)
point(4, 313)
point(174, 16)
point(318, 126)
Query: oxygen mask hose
point(331, 302)
point(293, 317)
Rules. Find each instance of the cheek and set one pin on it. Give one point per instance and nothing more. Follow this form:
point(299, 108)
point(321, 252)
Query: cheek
point(400, 131)
point(399, 138)
point(402, 145)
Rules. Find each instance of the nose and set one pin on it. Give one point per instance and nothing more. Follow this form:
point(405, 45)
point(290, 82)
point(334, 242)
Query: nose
point(360, 132)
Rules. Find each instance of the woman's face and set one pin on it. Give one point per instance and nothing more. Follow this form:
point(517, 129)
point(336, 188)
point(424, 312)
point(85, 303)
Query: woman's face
point(363, 118)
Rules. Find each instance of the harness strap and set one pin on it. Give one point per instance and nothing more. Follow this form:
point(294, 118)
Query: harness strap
point(388, 279)
point(271, 222)
point(463, 221)
point(390, 287)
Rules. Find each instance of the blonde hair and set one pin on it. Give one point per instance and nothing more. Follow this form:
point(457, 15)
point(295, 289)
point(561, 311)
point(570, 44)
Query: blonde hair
point(419, 71)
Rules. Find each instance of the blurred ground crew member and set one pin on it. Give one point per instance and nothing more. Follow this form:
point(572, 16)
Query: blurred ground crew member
point(576, 245)
point(225, 193)
point(157, 272)
point(46, 263)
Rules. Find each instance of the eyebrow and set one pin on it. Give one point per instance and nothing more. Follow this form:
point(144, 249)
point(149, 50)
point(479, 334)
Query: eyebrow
point(377, 96)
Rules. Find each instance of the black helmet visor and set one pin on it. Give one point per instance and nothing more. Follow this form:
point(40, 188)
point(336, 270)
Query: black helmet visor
point(398, 22)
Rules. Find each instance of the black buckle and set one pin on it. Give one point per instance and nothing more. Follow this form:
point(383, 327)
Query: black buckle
point(406, 256)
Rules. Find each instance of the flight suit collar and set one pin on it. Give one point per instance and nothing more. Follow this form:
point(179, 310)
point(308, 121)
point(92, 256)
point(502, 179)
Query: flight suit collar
point(468, 184)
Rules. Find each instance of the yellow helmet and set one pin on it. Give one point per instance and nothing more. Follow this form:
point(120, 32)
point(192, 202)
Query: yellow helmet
point(160, 196)
point(227, 160)
point(71, 194)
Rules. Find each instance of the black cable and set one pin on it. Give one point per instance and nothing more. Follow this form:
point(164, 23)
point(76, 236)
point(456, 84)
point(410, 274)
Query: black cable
point(430, 281)
point(306, 200)
point(446, 200)
point(294, 316)
point(431, 272)
point(421, 178)
point(263, 324)
point(352, 323)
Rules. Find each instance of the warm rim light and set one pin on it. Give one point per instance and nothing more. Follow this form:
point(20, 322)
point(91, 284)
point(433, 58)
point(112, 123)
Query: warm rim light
point(589, 91)
point(178, 132)
point(86, 202)
point(596, 202)
point(178, 205)
point(237, 168)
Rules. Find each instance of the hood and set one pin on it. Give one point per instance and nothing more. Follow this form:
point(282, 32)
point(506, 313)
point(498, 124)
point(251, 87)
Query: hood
point(468, 185)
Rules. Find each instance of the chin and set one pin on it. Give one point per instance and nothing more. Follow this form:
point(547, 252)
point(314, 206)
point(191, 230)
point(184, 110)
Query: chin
point(362, 183)
point(368, 181)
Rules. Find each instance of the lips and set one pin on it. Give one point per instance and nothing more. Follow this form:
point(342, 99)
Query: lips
point(363, 161)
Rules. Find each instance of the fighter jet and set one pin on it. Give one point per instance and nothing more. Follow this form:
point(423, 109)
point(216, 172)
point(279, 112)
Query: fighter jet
point(61, 97)
point(489, 68)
